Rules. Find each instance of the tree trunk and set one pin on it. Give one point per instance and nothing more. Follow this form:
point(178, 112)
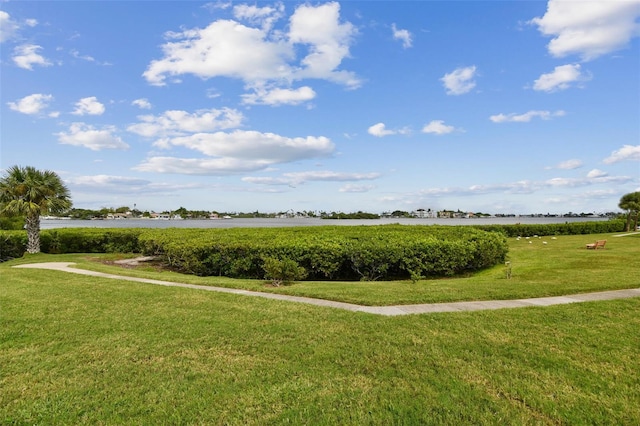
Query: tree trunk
point(33, 234)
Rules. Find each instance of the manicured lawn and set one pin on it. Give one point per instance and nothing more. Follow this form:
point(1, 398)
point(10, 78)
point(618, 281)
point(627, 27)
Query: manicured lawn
point(82, 350)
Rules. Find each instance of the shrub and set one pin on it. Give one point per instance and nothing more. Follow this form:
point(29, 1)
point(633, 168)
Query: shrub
point(12, 223)
point(12, 244)
point(344, 253)
point(90, 240)
point(282, 271)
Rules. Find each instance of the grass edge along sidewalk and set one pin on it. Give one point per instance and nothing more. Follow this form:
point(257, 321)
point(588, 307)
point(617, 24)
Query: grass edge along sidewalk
point(380, 310)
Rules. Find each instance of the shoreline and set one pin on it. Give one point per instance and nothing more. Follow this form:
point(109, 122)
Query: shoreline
point(291, 222)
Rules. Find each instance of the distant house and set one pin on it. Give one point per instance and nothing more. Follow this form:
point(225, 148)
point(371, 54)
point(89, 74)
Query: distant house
point(424, 214)
point(126, 215)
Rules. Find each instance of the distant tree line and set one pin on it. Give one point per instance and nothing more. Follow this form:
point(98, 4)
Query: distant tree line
point(357, 215)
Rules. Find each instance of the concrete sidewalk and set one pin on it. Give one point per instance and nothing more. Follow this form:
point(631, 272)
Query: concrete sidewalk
point(378, 310)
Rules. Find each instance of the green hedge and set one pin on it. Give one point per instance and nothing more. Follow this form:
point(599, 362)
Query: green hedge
point(72, 240)
point(11, 223)
point(13, 244)
point(340, 253)
point(90, 240)
point(567, 228)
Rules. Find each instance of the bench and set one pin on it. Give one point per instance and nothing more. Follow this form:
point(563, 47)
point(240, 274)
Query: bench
point(598, 244)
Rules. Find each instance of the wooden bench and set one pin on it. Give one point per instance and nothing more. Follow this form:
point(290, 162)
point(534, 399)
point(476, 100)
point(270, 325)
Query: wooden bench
point(598, 244)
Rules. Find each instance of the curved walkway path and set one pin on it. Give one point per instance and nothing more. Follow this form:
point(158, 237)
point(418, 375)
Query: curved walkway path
point(379, 310)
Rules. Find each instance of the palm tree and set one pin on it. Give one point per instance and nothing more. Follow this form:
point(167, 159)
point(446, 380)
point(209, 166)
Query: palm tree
point(29, 192)
point(631, 203)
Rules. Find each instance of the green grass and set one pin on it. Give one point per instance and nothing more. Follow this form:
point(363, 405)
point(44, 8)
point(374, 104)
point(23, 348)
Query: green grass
point(79, 350)
point(562, 266)
point(84, 350)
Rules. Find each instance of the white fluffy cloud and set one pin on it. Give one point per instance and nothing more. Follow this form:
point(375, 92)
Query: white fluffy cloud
point(236, 152)
point(561, 78)
point(328, 41)
point(568, 165)
point(26, 56)
point(262, 180)
point(437, 127)
point(125, 186)
point(89, 106)
point(627, 152)
point(380, 130)
point(279, 96)
point(596, 173)
point(268, 148)
point(356, 188)
point(330, 176)
point(32, 104)
point(298, 178)
point(199, 166)
point(223, 49)
point(84, 135)
point(589, 28)
point(177, 122)
point(260, 56)
point(226, 152)
point(403, 35)
point(594, 177)
point(264, 16)
point(526, 117)
point(142, 103)
point(8, 27)
point(460, 80)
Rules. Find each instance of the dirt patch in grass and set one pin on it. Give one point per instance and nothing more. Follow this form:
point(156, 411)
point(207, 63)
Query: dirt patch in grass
point(140, 262)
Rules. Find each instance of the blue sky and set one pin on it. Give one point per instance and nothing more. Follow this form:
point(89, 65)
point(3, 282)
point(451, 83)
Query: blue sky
point(493, 106)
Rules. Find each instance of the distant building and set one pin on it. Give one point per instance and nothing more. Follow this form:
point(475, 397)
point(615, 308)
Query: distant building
point(424, 214)
point(165, 216)
point(126, 215)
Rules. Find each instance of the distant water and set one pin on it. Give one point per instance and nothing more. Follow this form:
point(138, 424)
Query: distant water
point(275, 223)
